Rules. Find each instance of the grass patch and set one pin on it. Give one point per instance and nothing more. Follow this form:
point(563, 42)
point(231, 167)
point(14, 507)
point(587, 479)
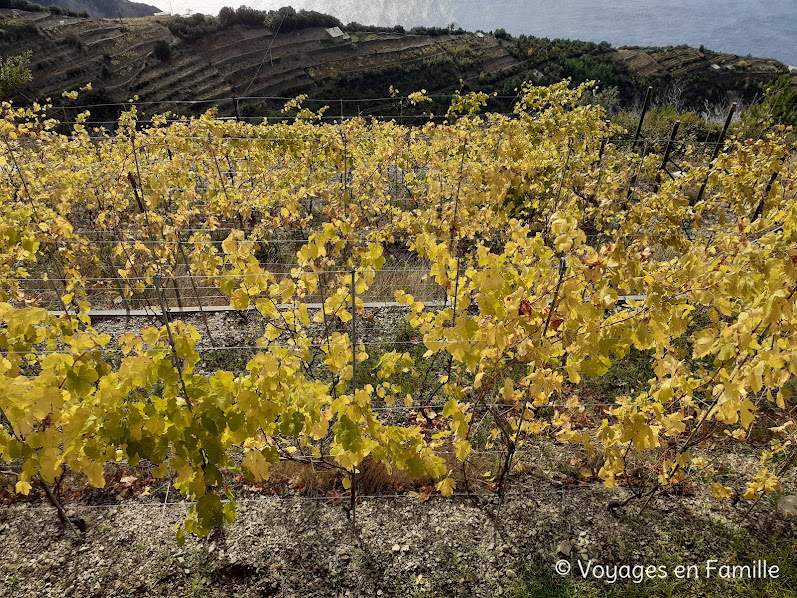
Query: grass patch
point(727, 546)
point(537, 580)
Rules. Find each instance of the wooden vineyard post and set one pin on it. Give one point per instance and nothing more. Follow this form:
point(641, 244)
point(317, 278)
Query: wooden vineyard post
point(717, 150)
point(604, 141)
point(667, 152)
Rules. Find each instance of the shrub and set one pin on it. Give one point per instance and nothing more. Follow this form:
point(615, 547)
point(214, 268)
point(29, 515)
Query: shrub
point(287, 19)
point(193, 27)
point(162, 50)
point(15, 30)
point(70, 38)
point(14, 73)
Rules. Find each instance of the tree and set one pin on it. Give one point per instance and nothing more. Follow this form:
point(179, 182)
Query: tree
point(14, 73)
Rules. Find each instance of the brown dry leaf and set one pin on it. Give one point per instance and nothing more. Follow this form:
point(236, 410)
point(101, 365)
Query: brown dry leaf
point(525, 308)
point(425, 494)
point(128, 480)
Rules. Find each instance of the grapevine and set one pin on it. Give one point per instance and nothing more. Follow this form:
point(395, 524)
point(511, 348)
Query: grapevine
point(544, 253)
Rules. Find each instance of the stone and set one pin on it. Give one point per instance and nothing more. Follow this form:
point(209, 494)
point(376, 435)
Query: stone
point(564, 548)
point(787, 505)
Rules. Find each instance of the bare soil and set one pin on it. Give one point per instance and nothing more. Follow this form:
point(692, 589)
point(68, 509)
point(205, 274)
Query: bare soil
point(397, 546)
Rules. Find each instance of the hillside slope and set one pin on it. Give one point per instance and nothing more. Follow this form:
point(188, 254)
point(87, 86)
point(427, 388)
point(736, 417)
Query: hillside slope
point(118, 57)
point(101, 9)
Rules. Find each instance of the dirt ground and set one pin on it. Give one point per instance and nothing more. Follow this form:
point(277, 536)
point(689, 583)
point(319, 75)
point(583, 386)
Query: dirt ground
point(395, 547)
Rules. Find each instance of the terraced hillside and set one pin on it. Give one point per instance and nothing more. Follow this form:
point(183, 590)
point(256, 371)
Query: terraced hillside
point(118, 57)
point(683, 60)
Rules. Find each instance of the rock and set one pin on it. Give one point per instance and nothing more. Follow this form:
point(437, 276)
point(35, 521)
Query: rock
point(510, 573)
point(564, 548)
point(787, 505)
point(396, 548)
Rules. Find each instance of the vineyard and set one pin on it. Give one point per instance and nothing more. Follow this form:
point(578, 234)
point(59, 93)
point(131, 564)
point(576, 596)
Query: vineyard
point(211, 301)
